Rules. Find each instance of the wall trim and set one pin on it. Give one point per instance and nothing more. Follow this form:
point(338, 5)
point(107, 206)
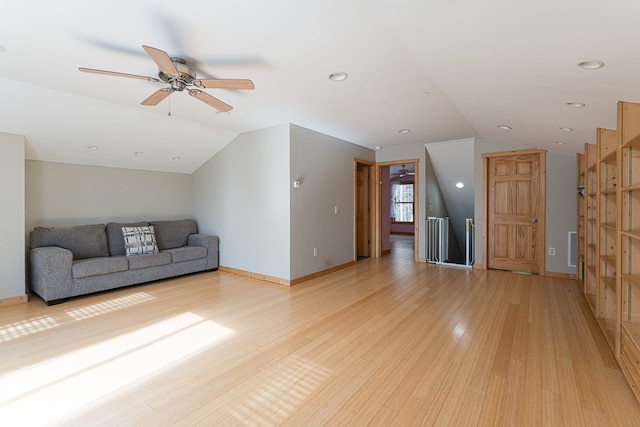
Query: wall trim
point(14, 301)
point(284, 282)
point(560, 275)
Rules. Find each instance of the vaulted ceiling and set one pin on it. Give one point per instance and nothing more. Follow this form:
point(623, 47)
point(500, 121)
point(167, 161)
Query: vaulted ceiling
point(445, 70)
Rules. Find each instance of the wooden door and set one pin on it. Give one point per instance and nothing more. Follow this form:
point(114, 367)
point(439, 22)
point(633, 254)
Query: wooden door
point(363, 211)
point(515, 211)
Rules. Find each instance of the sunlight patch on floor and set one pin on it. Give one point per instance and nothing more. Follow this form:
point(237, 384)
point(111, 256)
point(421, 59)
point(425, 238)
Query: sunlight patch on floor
point(26, 327)
point(58, 387)
point(281, 394)
point(109, 306)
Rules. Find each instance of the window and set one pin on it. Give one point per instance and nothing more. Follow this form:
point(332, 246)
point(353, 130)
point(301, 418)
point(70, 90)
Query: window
point(402, 202)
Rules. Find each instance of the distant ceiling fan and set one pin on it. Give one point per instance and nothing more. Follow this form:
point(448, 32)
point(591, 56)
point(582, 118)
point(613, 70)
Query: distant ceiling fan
point(180, 76)
point(404, 172)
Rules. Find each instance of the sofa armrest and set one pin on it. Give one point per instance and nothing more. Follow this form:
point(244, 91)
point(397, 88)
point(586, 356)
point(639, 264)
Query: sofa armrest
point(211, 243)
point(50, 272)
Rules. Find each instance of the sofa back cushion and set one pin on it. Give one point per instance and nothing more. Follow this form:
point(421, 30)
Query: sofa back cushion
point(84, 241)
point(173, 234)
point(115, 237)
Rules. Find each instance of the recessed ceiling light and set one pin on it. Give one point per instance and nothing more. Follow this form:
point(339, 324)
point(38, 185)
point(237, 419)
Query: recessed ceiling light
point(590, 64)
point(338, 77)
point(561, 143)
point(459, 185)
point(576, 104)
point(176, 158)
point(93, 147)
point(138, 153)
point(505, 127)
point(566, 129)
point(404, 131)
point(2, 49)
point(378, 147)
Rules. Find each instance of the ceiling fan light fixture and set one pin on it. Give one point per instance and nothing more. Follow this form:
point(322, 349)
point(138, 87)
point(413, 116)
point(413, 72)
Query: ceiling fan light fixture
point(590, 64)
point(338, 77)
point(566, 129)
point(576, 104)
point(403, 131)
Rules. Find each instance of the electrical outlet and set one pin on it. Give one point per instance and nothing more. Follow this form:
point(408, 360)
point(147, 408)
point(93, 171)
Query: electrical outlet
point(315, 251)
point(552, 251)
point(336, 210)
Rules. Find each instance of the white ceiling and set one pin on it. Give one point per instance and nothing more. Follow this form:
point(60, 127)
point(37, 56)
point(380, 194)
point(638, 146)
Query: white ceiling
point(447, 70)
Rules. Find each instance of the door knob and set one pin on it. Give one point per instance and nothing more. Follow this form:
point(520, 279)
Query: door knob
point(534, 220)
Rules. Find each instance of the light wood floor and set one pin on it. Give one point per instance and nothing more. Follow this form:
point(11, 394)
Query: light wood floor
point(386, 342)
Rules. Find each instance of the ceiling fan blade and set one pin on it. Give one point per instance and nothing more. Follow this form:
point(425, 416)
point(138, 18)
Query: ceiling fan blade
point(244, 84)
point(116, 74)
point(163, 60)
point(157, 96)
point(210, 100)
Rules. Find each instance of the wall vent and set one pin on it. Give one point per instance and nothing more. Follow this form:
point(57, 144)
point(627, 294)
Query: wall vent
point(572, 250)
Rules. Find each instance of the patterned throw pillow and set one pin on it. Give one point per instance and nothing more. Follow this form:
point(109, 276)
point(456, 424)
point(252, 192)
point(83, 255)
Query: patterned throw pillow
point(139, 240)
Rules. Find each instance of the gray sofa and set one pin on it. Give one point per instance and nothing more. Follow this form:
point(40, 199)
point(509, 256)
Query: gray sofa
point(70, 261)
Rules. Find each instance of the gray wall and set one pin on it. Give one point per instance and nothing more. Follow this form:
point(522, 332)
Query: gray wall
point(60, 194)
point(242, 196)
point(392, 154)
point(561, 210)
point(324, 165)
point(12, 211)
point(560, 201)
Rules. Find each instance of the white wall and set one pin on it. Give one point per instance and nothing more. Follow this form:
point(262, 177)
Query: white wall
point(411, 152)
point(12, 210)
point(324, 166)
point(242, 196)
point(60, 194)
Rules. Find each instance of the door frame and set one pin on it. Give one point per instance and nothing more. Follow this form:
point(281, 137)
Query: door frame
point(540, 225)
point(372, 203)
point(376, 203)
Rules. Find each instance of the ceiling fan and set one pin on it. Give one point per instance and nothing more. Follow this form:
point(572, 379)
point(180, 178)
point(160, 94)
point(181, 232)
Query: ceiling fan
point(404, 172)
point(180, 76)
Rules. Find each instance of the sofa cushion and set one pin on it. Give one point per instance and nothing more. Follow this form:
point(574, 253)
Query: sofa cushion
point(187, 253)
point(173, 234)
point(95, 266)
point(149, 260)
point(84, 241)
point(115, 238)
point(139, 240)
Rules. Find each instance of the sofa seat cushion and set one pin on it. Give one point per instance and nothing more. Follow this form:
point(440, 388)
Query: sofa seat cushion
point(84, 241)
point(187, 253)
point(137, 262)
point(96, 266)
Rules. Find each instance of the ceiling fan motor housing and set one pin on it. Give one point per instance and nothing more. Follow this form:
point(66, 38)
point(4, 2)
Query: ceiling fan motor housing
point(186, 75)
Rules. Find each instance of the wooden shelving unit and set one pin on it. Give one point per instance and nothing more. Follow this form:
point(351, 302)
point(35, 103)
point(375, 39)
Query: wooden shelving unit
point(629, 243)
point(580, 222)
point(608, 224)
point(591, 230)
point(607, 245)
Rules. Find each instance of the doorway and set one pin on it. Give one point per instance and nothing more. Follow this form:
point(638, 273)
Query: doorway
point(514, 201)
point(398, 207)
point(364, 174)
